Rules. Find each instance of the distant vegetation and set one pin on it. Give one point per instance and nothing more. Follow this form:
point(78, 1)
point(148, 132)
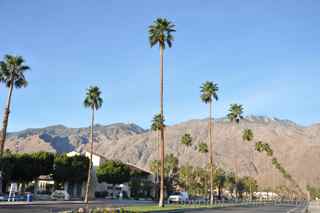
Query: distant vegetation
point(24, 168)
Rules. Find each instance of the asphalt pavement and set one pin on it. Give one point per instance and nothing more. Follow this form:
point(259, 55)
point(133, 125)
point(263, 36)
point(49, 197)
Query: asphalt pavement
point(256, 209)
point(54, 208)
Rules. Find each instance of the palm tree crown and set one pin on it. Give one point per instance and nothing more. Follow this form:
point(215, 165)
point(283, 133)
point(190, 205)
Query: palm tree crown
point(209, 91)
point(235, 112)
point(186, 139)
point(93, 99)
point(247, 135)
point(157, 122)
point(160, 32)
point(12, 71)
point(203, 148)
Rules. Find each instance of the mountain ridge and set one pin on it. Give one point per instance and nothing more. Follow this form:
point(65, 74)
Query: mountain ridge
point(294, 145)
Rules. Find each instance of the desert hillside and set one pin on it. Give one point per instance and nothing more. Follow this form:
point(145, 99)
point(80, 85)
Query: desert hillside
point(296, 147)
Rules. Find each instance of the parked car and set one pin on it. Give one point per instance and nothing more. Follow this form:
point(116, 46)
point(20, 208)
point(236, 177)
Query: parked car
point(60, 195)
point(178, 197)
point(4, 198)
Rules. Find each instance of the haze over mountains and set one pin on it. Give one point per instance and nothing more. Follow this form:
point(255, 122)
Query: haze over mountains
point(296, 147)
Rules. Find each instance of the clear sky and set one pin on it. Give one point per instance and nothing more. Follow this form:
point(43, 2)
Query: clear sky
point(263, 54)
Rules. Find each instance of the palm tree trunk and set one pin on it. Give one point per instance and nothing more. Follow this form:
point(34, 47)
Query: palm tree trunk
point(210, 153)
point(161, 200)
point(5, 119)
point(86, 200)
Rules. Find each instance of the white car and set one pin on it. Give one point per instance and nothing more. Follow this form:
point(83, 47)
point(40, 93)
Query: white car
point(178, 197)
point(60, 195)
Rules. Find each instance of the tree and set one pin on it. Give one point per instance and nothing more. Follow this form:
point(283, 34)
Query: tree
point(140, 185)
point(71, 169)
point(156, 123)
point(264, 147)
point(219, 179)
point(186, 140)
point(208, 95)
point(202, 148)
point(259, 146)
point(171, 171)
point(12, 70)
point(160, 32)
point(185, 172)
point(154, 166)
point(42, 163)
point(235, 112)
point(247, 135)
point(113, 172)
point(230, 182)
point(250, 185)
point(93, 101)
point(200, 181)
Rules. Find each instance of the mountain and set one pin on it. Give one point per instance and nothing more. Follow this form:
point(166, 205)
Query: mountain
point(61, 139)
point(296, 147)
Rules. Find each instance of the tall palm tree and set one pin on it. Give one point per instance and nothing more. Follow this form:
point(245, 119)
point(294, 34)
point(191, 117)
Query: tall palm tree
point(160, 32)
point(186, 140)
point(235, 115)
point(12, 70)
point(235, 112)
point(203, 149)
point(208, 95)
point(247, 135)
point(156, 123)
point(93, 101)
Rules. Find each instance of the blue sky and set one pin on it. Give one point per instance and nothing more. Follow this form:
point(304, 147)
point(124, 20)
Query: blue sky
point(263, 54)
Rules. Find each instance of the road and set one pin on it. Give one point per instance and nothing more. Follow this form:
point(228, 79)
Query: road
point(254, 209)
point(61, 207)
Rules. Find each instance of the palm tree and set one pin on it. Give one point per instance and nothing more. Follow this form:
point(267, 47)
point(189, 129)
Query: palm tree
point(156, 123)
point(186, 140)
point(220, 180)
point(235, 115)
point(235, 112)
point(208, 95)
point(259, 146)
point(203, 148)
point(160, 32)
point(93, 101)
point(247, 135)
point(12, 70)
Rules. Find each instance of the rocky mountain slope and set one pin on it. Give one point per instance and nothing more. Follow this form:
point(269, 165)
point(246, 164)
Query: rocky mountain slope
point(297, 148)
